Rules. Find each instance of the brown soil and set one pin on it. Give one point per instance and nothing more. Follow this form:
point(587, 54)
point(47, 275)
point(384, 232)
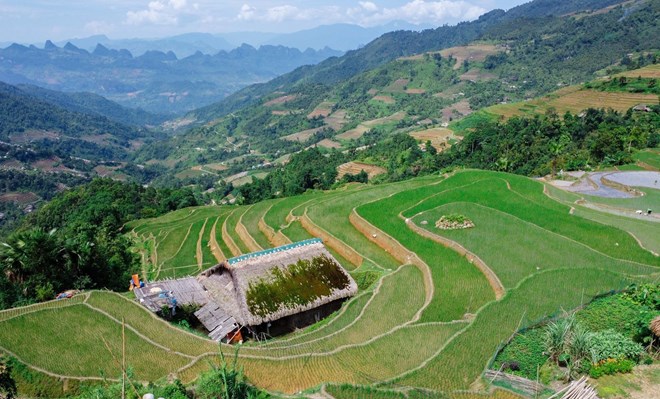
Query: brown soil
point(385, 99)
point(302, 136)
point(213, 244)
point(275, 238)
point(337, 245)
point(395, 249)
point(280, 100)
point(233, 248)
point(199, 254)
point(20, 198)
point(415, 91)
point(356, 167)
point(475, 52)
point(245, 236)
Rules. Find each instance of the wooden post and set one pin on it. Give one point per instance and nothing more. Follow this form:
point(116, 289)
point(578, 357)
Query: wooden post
point(123, 359)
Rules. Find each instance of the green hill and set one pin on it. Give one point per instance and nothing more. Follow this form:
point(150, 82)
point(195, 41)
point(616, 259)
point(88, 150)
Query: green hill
point(501, 58)
point(450, 297)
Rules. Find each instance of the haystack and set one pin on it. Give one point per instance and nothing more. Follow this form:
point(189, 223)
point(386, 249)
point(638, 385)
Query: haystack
point(655, 326)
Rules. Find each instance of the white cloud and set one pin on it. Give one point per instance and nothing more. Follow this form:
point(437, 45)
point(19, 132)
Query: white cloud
point(415, 11)
point(247, 13)
point(159, 12)
point(368, 6)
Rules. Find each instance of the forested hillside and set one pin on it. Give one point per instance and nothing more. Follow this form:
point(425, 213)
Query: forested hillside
point(518, 56)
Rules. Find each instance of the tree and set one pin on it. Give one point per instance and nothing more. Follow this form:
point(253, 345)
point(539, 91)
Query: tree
point(7, 383)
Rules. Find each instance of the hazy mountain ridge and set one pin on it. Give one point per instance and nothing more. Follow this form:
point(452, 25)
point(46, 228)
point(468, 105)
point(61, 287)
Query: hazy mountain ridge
point(155, 81)
point(398, 44)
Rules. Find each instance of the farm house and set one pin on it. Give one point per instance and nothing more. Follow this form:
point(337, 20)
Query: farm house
point(261, 294)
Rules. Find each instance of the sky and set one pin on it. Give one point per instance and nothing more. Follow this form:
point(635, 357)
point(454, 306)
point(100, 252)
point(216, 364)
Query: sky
point(34, 21)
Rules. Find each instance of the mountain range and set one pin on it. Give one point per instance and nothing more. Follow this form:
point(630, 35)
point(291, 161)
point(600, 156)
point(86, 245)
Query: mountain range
point(156, 81)
point(342, 37)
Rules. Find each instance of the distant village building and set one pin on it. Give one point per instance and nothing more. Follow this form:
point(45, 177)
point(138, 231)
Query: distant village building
point(641, 108)
point(260, 294)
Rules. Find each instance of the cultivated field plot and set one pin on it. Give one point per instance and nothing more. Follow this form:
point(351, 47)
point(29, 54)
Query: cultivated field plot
point(650, 71)
point(439, 137)
point(444, 301)
point(354, 168)
point(575, 100)
point(366, 126)
point(181, 243)
point(474, 52)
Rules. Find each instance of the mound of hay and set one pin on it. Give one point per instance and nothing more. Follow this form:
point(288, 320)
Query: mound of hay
point(655, 326)
point(453, 222)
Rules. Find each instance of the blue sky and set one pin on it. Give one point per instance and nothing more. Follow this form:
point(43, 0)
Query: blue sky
point(27, 21)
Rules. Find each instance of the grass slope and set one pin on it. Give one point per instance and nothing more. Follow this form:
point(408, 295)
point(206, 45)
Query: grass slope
point(398, 332)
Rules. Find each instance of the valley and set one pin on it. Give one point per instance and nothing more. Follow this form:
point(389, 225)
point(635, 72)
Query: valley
point(472, 189)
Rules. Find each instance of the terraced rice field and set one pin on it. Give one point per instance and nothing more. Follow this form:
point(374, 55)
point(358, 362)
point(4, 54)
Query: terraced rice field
point(430, 324)
point(575, 99)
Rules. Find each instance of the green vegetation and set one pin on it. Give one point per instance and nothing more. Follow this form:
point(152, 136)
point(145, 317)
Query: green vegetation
point(296, 285)
point(543, 144)
point(622, 83)
point(608, 336)
point(76, 242)
point(405, 325)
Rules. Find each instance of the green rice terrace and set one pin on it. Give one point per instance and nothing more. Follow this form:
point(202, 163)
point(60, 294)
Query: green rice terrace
point(433, 307)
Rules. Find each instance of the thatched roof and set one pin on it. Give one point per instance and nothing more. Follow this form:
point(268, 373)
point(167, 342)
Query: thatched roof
point(224, 290)
point(259, 268)
point(655, 326)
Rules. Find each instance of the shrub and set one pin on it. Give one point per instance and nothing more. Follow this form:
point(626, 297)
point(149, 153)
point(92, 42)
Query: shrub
point(557, 335)
point(611, 366)
point(610, 344)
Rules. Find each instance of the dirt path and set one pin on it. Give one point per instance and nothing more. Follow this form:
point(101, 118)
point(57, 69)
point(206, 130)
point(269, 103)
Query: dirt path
point(244, 234)
point(275, 238)
point(213, 244)
point(397, 250)
point(330, 240)
point(233, 248)
point(199, 254)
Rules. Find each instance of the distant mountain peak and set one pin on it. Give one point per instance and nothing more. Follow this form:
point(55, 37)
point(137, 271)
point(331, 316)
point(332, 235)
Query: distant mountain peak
point(49, 45)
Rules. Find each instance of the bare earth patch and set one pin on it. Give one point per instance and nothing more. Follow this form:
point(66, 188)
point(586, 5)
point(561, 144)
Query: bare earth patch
point(439, 137)
point(337, 119)
point(32, 135)
point(398, 86)
point(327, 143)
point(322, 110)
point(365, 126)
point(415, 91)
point(20, 197)
point(280, 100)
point(385, 99)
point(354, 168)
point(302, 136)
point(474, 52)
